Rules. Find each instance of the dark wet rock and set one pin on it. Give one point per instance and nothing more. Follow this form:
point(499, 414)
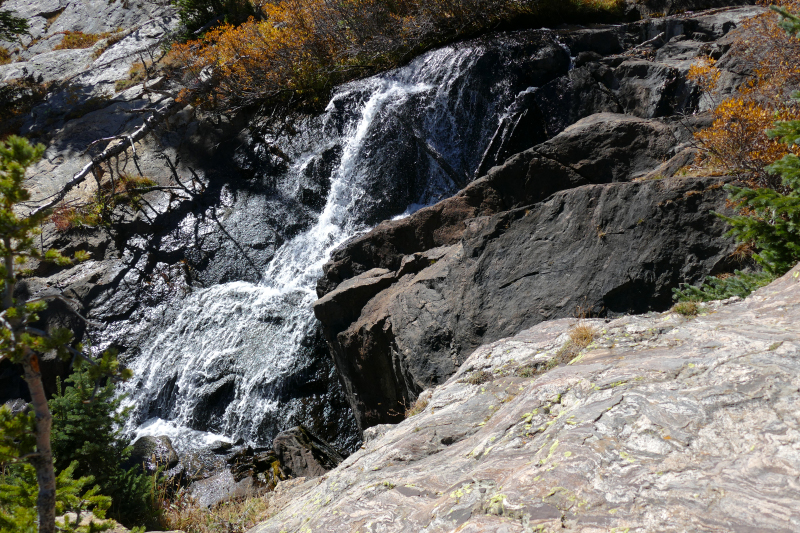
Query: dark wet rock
point(603, 148)
point(639, 69)
point(199, 464)
point(315, 180)
point(596, 249)
point(303, 454)
point(262, 466)
point(660, 419)
point(153, 453)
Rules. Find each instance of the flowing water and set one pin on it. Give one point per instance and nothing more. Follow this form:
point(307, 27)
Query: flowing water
point(405, 139)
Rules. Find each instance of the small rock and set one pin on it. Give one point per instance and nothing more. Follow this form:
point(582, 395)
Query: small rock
point(302, 454)
point(153, 453)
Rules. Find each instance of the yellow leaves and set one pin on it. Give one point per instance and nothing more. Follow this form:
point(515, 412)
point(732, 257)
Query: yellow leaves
point(704, 74)
point(737, 141)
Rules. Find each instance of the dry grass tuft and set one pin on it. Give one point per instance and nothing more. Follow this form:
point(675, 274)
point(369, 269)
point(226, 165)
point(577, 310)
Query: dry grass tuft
point(479, 377)
point(78, 39)
point(236, 516)
point(418, 406)
point(580, 336)
point(137, 73)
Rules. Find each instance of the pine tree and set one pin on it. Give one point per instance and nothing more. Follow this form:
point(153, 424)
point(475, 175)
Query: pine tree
point(18, 495)
point(26, 436)
point(11, 26)
point(87, 426)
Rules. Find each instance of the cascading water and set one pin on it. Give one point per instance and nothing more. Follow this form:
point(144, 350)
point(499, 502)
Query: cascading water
point(405, 139)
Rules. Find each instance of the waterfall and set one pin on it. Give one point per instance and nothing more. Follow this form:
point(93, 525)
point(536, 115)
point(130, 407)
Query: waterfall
point(407, 138)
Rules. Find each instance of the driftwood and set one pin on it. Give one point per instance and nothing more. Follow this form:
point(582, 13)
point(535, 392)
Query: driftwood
point(115, 149)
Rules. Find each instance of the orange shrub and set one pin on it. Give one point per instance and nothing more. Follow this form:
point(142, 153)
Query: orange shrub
point(737, 140)
point(77, 39)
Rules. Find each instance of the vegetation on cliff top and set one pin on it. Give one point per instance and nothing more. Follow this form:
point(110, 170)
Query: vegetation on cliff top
point(737, 142)
point(25, 437)
point(291, 53)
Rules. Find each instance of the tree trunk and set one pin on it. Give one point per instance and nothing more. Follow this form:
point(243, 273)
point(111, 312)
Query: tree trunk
point(43, 461)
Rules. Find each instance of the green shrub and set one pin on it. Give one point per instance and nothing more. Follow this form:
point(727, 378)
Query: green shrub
point(11, 26)
point(739, 284)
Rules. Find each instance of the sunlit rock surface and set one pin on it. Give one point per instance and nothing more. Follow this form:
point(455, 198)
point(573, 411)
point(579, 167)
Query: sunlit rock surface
point(664, 423)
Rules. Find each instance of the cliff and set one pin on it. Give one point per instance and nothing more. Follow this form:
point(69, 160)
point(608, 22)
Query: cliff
point(581, 210)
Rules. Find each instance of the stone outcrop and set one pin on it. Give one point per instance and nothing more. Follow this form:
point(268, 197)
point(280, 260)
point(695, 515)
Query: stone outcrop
point(606, 249)
point(578, 220)
point(152, 453)
point(664, 423)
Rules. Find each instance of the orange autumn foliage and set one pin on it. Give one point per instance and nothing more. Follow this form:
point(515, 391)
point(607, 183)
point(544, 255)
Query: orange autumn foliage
point(737, 140)
point(298, 49)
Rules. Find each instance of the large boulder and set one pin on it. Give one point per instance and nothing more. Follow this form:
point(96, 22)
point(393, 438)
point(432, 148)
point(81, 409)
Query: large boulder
point(152, 453)
point(594, 249)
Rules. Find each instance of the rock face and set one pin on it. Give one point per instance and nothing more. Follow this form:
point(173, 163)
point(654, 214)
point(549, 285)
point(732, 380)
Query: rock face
point(602, 148)
point(663, 423)
point(578, 221)
point(242, 197)
point(600, 249)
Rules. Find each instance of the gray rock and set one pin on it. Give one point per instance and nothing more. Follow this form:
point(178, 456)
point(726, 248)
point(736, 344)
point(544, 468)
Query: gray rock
point(153, 453)
point(303, 454)
point(49, 66)
point(635, 9)
point(664, 423)
point(219, 488)
point(597, 249)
